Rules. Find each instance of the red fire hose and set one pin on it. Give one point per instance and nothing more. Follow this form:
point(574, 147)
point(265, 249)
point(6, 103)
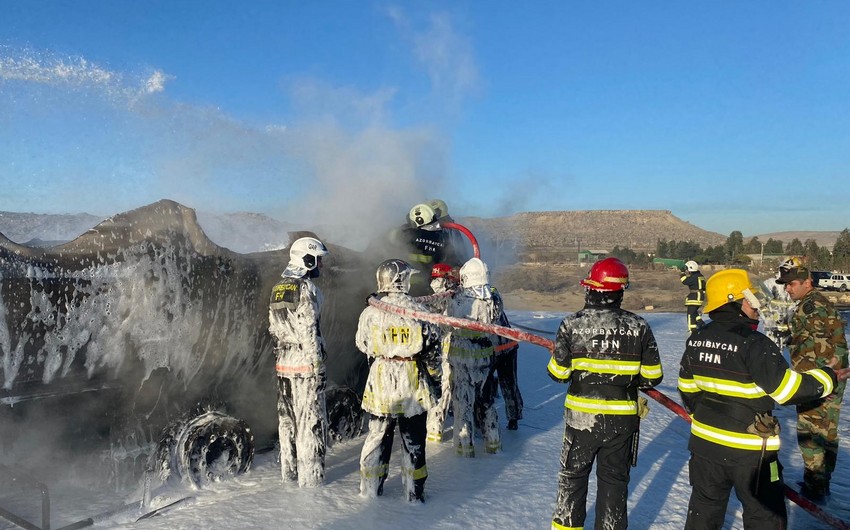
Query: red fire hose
point(476, 252)
point(524, 336)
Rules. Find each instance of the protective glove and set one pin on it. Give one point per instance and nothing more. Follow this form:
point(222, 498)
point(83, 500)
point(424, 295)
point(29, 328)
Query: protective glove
point(764, 425)
point(643, 407)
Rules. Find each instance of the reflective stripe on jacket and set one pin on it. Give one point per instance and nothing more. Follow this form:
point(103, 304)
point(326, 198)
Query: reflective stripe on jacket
point(606, 353)
point(729, 372)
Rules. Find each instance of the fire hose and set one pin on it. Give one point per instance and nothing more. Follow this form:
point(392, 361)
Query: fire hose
point(658, 396)
point(439, 225)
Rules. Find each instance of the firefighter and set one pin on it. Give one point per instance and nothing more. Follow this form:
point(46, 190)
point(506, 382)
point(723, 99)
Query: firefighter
point(398, 390)
point(505, 368)
point(444, 278)
point(730, 378)
point(695, 281)
point(457, 248)
point(776, 311)
point(422, 242)
point(606, 354)
point(471, 358)
point(817, 340)
point(294, 311)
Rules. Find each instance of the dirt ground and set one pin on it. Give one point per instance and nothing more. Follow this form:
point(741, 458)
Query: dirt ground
point(649, 290)
point(556, 288)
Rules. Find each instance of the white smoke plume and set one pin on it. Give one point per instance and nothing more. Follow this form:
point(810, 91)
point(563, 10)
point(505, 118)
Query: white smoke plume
point(341, 163)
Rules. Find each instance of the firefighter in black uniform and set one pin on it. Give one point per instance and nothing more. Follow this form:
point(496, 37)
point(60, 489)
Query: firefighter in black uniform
point(695, 282)
point(421, 243)
point(606, 354)
point(730, 379)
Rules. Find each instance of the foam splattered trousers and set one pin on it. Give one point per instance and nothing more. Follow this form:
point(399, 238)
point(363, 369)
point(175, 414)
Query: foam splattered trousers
point(609, 444)
point(302, 429)
point(375, 456)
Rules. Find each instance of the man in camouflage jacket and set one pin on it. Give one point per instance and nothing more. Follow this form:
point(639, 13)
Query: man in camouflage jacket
point(817, 340)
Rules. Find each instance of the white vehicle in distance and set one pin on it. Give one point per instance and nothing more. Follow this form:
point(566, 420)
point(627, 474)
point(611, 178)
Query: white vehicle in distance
point(835, 282)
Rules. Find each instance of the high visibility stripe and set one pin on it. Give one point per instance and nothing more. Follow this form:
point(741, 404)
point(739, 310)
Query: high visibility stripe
point(420, 258)
point(470, 353)
point(557, 370)
point(606, 366)
point(652, 371)
point(688, 386)
point(736, 440)
point(468, 333)
point(788, 387)
point(374, 472)
point(824, 379)
point(556, 526)
point(415, 474)
point(302, 369)
point(725, 387)
point(601, 406)
point(465, 450)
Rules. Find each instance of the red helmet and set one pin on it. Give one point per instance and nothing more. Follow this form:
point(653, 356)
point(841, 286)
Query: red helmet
point(609, 274)
point(444, 270)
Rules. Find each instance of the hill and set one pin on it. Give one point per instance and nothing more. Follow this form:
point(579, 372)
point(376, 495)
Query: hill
point(37, 229)
point(571, 231)
point(822, 238)
point(546, 235)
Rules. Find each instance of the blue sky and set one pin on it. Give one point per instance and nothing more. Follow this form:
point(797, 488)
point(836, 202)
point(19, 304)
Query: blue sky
point(733, 115)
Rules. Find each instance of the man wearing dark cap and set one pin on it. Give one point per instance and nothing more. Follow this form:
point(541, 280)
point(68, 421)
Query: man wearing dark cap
point(817, 340)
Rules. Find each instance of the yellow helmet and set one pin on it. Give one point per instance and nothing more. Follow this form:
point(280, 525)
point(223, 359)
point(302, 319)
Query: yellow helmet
point(728, 286)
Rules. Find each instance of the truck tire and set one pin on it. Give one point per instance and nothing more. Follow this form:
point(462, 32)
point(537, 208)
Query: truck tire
point(206, 448)
point(345, 417)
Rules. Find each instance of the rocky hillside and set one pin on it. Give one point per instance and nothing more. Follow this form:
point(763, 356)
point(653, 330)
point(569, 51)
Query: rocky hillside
point(546, 235)
point(639, 230)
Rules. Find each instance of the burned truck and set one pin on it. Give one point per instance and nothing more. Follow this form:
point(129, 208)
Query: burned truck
point(142, 339)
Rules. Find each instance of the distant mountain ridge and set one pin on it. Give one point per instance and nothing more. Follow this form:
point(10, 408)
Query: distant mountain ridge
point(23, 228)
point(242, 232)
point(639, 230)
point(824, 238)
point(246, 232)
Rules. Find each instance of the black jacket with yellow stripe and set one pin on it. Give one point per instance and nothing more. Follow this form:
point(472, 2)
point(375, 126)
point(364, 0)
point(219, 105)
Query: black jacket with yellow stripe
point(728, 373)
point(606, 354)
point(695, 282)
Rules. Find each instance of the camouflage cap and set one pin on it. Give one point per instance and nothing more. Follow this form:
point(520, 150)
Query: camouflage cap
point(793, 269)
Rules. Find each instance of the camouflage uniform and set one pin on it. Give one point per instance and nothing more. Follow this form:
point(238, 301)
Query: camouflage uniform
point(817, 337)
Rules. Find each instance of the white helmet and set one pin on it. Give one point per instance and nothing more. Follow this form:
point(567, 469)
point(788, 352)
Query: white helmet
point(305, 252)
point(474, 273)
point(421, 214)
point(440, 208)
point(394, 276)
point(692, 266)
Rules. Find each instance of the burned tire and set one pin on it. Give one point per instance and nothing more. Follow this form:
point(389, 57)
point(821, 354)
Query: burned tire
point(345, 417)
point(206, 448)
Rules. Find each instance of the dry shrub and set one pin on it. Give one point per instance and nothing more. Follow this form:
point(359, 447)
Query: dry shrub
point(538, 278)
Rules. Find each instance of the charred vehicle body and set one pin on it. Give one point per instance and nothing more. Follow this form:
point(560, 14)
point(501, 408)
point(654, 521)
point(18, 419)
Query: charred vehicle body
point(143, 344)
